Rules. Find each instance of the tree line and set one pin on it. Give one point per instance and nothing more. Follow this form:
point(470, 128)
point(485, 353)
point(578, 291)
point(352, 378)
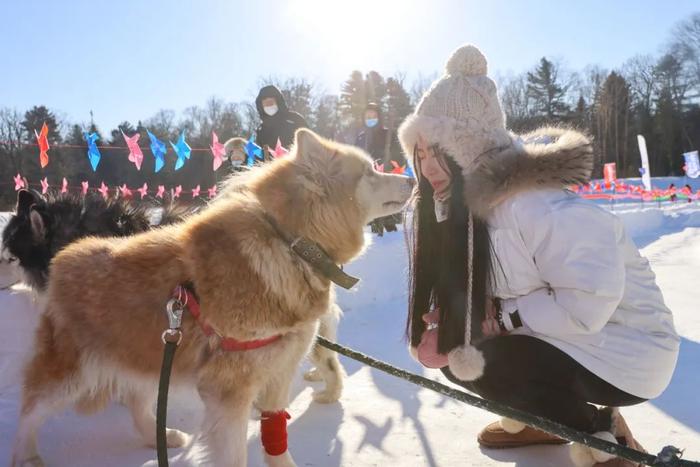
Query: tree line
point(656, 96)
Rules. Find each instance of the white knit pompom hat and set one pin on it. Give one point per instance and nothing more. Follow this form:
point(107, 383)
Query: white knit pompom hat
point(460, 111)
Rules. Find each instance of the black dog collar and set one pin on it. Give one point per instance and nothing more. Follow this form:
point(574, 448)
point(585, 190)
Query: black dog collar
point(312, 253)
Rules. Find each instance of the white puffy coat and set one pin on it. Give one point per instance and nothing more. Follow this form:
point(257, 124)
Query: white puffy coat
point(580, 284)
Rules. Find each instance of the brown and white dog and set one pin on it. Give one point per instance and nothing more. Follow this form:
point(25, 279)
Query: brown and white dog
point(100, 336)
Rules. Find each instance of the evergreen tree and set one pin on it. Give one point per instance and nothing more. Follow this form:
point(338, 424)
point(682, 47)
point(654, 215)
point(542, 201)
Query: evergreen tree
point(547, 93)
point(34, 118)
point(353, 99)
point(613, 117)
point(116, 138)
point(667, 129)
point(327, 116)
point(75, 135)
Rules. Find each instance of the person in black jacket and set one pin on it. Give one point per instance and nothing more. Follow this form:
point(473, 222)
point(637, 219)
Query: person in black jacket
point(277, 120)
point(383, 146)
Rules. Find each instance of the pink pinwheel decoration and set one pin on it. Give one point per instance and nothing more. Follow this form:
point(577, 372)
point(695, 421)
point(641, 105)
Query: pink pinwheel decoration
point(44, 186)
point(64, 185)
point(195, 191)
point(85, 186)
point(19, 182)
point(176, 192)
point(279, 151)
point(125, 191)
point(143, 190)
point(212, 191)
point(160, 192)
point(104, 190)
point(217, 150)
point(135, 153)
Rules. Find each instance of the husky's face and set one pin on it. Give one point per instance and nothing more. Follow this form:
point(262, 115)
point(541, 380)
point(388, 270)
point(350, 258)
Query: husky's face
point(329, 192)
point(10, 272)
point(351, 177)
point(25, 241)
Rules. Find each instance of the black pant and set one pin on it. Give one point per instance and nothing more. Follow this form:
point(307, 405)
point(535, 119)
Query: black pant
point(529, 374)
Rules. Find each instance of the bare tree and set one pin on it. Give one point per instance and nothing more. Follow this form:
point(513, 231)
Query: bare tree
point(685, 46)
point(640, 72)
point(420, 85)
point(12, 133)
point(515, 102)
point(162, 124)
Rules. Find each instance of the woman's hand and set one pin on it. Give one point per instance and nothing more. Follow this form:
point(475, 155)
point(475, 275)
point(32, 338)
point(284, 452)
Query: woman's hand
point(427, 351)
point(490, 326)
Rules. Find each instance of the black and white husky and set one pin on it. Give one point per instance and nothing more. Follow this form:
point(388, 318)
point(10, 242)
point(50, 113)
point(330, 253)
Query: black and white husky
point(43, 225)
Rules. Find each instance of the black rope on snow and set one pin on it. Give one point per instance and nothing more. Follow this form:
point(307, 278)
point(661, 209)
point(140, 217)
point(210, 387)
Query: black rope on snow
point(668, 457)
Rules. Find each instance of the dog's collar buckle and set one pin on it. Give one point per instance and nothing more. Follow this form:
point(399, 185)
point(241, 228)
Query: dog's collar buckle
point(313, 254)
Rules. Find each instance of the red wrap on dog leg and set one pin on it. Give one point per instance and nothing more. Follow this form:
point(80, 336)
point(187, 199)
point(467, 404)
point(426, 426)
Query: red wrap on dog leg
point(273, 431)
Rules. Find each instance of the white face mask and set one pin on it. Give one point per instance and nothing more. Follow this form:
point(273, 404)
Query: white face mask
point(271, 110)
point(371, 122)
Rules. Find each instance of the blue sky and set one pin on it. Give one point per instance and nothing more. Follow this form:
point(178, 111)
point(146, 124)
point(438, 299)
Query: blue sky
point(126, 59)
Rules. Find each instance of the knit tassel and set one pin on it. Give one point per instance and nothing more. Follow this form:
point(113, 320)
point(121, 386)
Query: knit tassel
point(467, 362)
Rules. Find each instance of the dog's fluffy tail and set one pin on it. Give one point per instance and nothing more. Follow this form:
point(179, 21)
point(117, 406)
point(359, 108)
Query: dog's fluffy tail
point(174, 213)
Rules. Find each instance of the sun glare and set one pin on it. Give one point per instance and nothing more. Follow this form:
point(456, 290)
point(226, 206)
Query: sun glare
point(355, 34)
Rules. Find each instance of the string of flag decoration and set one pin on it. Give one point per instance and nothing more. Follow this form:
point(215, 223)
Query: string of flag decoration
point(617, 190)
point(157, 147)
point(122, 191)
point(621, 191)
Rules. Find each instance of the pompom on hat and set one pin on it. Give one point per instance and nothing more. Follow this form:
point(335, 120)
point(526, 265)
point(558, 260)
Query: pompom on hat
point(460, 111)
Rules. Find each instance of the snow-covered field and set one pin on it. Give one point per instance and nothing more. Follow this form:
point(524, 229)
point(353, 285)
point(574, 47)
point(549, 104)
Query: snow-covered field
point(381, 420)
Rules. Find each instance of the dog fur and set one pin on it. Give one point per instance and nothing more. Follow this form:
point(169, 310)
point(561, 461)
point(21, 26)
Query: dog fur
point(43, 225)
point(99, 337)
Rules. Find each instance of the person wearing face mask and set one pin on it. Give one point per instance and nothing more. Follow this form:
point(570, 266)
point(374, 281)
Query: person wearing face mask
point(520, 290)
point(383, 146)
point(277, 121)
point(235, 153)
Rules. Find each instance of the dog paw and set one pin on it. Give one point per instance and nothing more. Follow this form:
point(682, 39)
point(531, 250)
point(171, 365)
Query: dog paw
point(313, 375)
point(283, 460)
point(325, 397)
point(176, 438)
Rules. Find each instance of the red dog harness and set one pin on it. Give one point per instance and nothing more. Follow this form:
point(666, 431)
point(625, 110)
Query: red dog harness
point(185, 296)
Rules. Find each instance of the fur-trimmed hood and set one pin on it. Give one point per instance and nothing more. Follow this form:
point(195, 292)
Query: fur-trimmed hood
point(549, 157)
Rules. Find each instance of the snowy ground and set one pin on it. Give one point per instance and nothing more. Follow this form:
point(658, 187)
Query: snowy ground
point(382, 420)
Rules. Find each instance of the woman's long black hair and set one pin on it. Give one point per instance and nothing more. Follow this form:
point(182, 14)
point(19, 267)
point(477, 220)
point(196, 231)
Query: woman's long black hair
point(439, 263)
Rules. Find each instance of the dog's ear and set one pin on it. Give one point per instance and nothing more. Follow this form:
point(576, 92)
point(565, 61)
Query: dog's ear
point(310, 147)
point(314, 158)
point(25, 200)
point(38, 226)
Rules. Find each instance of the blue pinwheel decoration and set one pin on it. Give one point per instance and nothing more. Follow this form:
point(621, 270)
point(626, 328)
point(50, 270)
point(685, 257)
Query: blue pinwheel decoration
point(158, 149)
point(253, 151)
point(93, 151)
point(409, 172)
point(183, 151)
